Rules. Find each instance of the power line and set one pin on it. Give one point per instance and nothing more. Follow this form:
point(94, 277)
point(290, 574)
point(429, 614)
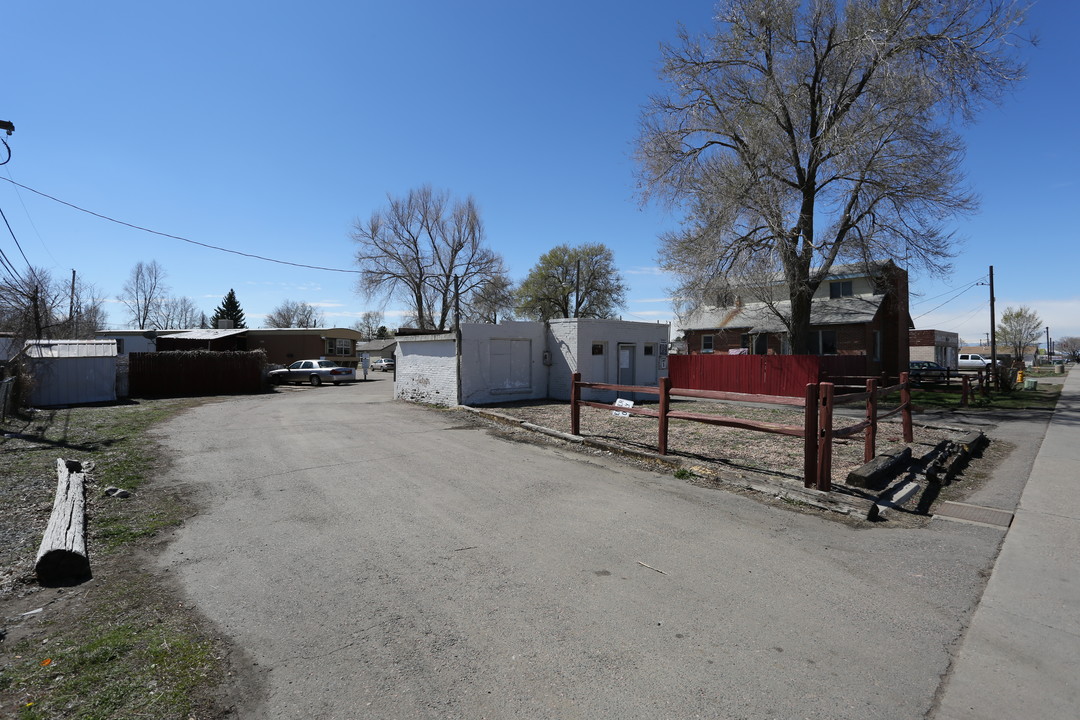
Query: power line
point(935, 297)
point(4, 261)
point(949, 300)
point(175, 237)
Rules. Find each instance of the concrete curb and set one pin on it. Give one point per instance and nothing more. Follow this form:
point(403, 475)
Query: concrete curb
point(780, 490)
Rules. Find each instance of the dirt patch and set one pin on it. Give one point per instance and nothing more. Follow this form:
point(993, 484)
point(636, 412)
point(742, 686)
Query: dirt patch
point(737, 460)
point(123, 643)
point(723, 448)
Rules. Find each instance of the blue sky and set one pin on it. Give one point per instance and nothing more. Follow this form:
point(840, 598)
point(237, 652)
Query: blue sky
point(269, 128)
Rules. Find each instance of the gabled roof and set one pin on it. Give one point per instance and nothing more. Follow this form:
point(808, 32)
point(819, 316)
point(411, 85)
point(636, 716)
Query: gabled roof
point(758, 317)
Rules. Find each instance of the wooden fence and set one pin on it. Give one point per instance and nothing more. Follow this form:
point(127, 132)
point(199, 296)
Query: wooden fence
point(817, 429)
point(179, 373)
point(779, 375)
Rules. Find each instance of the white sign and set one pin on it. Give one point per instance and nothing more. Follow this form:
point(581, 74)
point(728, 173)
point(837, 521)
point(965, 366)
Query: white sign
point(622, 403)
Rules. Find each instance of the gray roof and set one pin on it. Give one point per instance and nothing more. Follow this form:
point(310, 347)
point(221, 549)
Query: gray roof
point(759, 318)
point(207, 334)
point(375, 345)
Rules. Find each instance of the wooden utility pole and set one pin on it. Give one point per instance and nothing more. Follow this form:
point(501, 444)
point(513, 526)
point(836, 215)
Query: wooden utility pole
point(993, 335)
point(73, 329)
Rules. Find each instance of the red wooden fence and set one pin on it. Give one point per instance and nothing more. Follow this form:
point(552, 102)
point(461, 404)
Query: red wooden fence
point(817, 429)
point(786, 375)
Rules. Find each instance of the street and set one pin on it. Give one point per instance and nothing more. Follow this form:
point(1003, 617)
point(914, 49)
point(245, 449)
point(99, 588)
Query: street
point(380, 560)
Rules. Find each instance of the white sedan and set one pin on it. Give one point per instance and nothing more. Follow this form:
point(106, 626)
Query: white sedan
point(315, 372)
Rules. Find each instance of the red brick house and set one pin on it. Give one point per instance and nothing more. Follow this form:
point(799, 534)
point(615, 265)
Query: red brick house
point(857, 310)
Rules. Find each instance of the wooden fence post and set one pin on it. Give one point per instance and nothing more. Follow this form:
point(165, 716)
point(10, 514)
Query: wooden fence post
point(575, 408)
point(965, 391)
point(810, 436)
point(824, 474)
point(870, 449)
point(905, 413)
point(665, 402)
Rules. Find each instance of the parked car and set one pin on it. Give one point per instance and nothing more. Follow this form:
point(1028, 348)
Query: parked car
point(383, 364)
point(973, 361)
point(315, 372)
point(927, 370)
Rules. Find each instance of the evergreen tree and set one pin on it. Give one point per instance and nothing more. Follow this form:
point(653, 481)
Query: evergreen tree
point(229, 309)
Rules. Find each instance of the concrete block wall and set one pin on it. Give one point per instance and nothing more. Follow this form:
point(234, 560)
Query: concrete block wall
point(503, 362)
point(427, 369)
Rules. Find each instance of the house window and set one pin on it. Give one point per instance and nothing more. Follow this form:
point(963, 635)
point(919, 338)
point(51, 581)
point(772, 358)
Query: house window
point(823, 342)
point(338, 346)
point(119, 346)
point(841, 288)
point(706, 344)
point(649, 349)
point(598, 348)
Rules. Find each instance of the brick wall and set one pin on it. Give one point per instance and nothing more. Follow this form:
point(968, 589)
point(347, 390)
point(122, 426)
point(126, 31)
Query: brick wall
point(426, 369)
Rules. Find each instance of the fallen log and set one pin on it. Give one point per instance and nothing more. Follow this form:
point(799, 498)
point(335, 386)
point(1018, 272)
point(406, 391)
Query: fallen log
point(62, 555)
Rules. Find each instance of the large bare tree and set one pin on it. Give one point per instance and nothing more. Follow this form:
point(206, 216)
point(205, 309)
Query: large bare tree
point(143, 294)
point(426, 250)
point(802, 133)
point(368, 324)
point(294, 314)
point(176, 313)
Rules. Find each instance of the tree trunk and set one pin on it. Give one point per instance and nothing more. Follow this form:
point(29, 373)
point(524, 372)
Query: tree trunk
point(62, 555)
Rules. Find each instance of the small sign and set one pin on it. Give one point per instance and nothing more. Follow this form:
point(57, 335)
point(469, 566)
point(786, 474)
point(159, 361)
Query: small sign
point(622, 403)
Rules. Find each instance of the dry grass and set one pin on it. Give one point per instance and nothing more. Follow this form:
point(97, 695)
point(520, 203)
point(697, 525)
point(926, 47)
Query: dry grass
point(719, 448)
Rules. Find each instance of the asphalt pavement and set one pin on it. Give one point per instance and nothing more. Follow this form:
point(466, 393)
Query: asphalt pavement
point(373, 559)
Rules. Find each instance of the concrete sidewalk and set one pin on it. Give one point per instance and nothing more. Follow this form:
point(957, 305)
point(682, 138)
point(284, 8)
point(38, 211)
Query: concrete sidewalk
point(1020, 657)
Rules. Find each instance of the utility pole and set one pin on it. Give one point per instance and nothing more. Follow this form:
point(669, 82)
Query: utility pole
point(993, 335)
point(72, 328)
point(1048, 344)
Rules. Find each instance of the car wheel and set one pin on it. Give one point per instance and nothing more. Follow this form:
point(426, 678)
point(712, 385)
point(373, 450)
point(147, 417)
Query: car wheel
point(316, 380)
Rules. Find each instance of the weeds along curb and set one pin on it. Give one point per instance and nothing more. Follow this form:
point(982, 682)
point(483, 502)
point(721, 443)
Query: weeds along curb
point(793, 494)
point(577, 439)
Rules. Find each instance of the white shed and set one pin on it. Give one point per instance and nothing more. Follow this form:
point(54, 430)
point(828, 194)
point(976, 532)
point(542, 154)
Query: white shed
point(529, 360)
point(72, 372)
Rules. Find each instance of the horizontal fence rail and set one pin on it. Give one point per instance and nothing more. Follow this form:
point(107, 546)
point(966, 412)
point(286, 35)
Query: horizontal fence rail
point(817, 429)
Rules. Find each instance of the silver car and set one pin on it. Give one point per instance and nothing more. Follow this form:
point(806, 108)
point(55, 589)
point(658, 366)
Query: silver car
point(315, 372)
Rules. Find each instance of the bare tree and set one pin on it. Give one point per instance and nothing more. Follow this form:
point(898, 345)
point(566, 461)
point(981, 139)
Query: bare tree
point(492, 301)
point(293, 314)
point(425, 250)
point(572, 283)
point(1070, 348)
point(368, 324)
point(30, 305)
point(801, 134)
point(1020, 328)
point(143, 293)
point(176, 313)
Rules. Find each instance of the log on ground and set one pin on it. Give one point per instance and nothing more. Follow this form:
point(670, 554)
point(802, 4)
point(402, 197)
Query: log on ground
point(62, 556)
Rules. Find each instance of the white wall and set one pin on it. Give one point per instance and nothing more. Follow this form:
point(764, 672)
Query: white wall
point(503, 362)
point(572, 344)
point(426, 369)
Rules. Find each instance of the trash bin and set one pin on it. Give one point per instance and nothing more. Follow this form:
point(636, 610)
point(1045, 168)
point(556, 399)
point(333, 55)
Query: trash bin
point(1059, 369)
point(1031, 384)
